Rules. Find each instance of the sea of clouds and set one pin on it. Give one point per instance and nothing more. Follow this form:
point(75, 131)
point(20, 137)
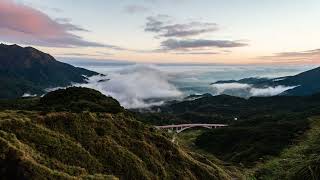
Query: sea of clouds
point(145, 85)
point(137, 86)
point(247, 90)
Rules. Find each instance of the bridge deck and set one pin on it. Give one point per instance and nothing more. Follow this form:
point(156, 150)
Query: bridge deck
point(190, 125)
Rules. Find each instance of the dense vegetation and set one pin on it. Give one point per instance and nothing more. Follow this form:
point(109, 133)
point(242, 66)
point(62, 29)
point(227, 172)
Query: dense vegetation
point(77, 99)
point(72, 99)
point(80, 133)
point(224, 108)
point(272, 138)
point(27, 70)
point(253, 141)
point(300, 161)
point(72, 144)
point(265, 126)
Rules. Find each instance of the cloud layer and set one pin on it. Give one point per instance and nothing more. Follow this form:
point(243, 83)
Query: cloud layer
point(295, 56)
point(163, 27)
point(247, 90)
point(137, 86)
point(175, 44)
point(183, 38)
point(135, 9)
point(23, 24)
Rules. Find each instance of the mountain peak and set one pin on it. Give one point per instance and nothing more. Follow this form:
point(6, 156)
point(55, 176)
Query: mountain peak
point(28, 70)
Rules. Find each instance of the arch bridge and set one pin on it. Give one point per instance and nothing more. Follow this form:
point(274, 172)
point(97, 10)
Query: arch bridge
point(181, 127)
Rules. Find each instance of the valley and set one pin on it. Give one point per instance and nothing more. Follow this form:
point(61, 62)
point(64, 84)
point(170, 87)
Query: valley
point(80, 133)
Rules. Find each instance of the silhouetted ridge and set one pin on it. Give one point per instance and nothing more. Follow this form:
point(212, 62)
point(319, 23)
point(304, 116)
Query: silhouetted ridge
point(28, 70)
point(303, 84)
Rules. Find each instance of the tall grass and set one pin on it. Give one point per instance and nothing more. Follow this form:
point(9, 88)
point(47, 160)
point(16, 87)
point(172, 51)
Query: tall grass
point(299, 162)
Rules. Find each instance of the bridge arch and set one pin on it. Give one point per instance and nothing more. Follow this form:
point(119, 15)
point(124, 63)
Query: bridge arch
point(181, 127)
point(185, 128)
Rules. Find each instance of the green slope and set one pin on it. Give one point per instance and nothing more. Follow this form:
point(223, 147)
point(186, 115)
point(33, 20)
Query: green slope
point(300, 161)
point(96, 145)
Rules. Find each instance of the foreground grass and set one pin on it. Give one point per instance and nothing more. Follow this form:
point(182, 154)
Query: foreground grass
point(66, 145)
point(186, 140)
point(300, 161)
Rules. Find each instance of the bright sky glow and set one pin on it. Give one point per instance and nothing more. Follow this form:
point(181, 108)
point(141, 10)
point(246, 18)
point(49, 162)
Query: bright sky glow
point(168, 31)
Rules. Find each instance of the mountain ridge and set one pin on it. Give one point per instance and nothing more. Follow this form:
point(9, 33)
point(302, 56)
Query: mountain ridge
point(305, 83)
point(28, 70)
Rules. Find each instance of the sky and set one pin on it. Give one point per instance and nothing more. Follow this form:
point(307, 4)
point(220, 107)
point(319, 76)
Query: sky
point(167, 31)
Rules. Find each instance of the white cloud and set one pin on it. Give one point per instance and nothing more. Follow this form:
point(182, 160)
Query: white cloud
point(224, 87)
point(269, 91)
point(137, 86)
point(28, 95)
point(247, 90)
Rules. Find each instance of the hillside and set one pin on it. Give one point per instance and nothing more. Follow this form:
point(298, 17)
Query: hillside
point(265, 126)
point(308, 83)
point(91, 144)
point(28, 70)
point(272, 137)
point(300, 161)
point(224, 108)
point(305, 83)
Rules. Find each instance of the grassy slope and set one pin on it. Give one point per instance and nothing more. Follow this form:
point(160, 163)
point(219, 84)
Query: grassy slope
point(254, 140)
point(186, 140)
point(68, 145)
point(80, 133)
point(300, 161)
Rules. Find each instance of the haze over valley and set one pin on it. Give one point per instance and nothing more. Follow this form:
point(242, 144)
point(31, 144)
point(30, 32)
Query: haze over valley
point(134, 84)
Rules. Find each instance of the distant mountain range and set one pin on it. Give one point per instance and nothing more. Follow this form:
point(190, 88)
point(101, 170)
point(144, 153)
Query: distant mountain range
point(306, 83)
point(28, 70)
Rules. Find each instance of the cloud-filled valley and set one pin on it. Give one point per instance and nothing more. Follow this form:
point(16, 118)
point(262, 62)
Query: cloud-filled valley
point(247, 90)
point(136, 86)
point(145, 85)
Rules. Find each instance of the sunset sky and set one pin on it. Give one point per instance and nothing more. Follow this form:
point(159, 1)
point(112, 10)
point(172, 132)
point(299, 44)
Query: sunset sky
point(167, 31)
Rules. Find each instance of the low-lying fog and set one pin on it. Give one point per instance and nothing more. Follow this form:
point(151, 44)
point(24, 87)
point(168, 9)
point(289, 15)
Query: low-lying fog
point(144, 85)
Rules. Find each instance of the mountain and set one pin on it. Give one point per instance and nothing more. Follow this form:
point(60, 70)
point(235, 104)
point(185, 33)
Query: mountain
point(28, 70)
point(78, 140)
point(305, 83)
point(308, 83)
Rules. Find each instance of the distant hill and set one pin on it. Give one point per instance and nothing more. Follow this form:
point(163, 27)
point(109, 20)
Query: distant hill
point(77, 99)
point(307, 83)
point(28, 70)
